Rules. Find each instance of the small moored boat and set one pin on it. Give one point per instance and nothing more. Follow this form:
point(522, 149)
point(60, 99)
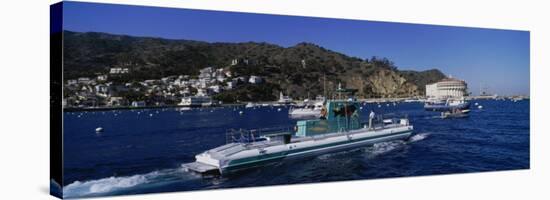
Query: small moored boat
point(455, 114)
point(447, 105)
point(307, 111)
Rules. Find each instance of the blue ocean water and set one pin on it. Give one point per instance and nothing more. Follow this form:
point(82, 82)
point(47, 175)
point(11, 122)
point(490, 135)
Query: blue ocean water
point(141, 151)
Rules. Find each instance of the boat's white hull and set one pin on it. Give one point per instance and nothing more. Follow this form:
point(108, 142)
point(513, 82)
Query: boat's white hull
point(347, 146)
point(233, 157)
point(304, 113)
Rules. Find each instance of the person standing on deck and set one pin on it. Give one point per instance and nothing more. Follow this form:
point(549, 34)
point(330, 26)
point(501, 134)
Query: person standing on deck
point(371, 117)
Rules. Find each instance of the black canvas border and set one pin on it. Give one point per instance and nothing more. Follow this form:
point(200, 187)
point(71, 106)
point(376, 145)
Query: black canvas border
point(56, 99)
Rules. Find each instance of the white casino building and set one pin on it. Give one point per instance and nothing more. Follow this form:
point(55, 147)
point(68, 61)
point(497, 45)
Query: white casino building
point(447, 88)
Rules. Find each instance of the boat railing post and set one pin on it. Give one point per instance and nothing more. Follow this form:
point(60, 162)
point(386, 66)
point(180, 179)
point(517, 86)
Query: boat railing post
point(253, 137)
point(229, 138)
point(242, 134)
point(232, 134)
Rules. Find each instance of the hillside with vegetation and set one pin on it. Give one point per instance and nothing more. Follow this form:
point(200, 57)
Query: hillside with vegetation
point(302, 70)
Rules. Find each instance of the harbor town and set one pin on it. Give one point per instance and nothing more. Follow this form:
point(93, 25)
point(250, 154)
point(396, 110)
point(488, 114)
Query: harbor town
point(101, 93)
point(178, 90)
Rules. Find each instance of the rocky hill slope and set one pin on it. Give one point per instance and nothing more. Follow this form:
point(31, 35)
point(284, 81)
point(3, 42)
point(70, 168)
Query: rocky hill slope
point(300, 70)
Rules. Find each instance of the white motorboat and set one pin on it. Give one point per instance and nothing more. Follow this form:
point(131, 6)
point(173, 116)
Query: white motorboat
point(307, 111)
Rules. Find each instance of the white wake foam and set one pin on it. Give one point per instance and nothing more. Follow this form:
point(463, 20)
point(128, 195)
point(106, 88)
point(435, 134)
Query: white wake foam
point(104, 185)
point(385, 147)
point(418, 137)
point(111, 184)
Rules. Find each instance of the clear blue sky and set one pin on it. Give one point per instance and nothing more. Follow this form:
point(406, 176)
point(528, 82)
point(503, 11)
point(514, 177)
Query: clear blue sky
point(497, 59)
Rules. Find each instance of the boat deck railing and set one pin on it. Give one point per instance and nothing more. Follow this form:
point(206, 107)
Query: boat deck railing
point(255, 135)
point(386, 120)
point(258, 135)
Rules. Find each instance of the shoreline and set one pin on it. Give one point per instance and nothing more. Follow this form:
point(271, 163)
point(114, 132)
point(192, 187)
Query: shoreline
point(371, 100)
point(72, 109)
